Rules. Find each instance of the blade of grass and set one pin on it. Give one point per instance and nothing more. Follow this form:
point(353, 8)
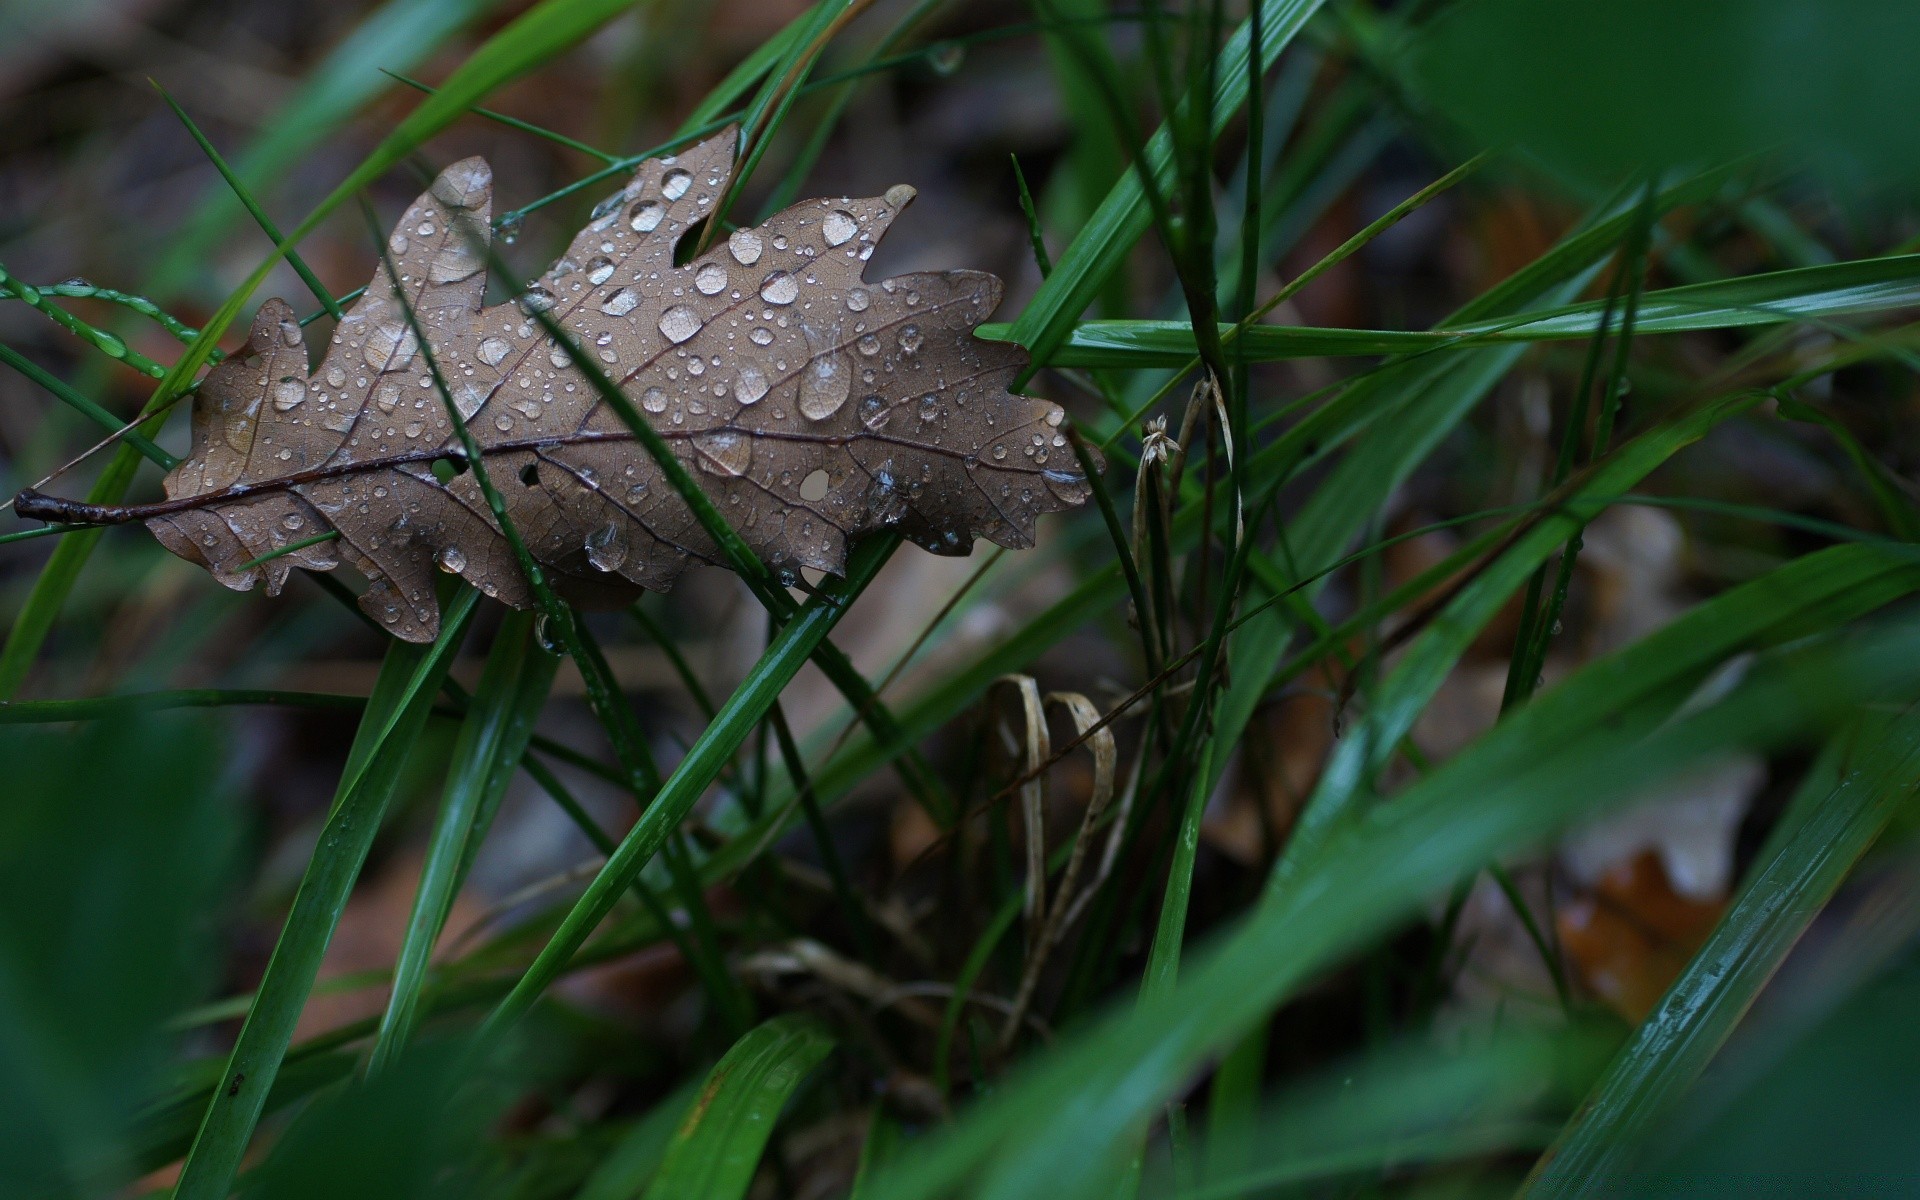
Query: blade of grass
point(402, 697)
point(714, 1153)
point(637, 1157)
point(1123, 217)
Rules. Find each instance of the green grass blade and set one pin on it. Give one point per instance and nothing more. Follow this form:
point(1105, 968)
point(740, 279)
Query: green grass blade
point(259, 215)
point(1401, 1105)
point(402, 698)
point(513, 689)
point(1163, 960)
point(1806, 294)
point(714, 1153)
point(636, 1158)
point(1672, 1047)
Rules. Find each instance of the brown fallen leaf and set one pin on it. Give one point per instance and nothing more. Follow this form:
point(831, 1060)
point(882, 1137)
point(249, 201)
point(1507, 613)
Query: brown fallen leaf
point(810, 406)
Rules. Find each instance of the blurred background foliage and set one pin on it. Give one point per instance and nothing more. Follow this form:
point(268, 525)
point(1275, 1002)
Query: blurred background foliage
point(1519, 792)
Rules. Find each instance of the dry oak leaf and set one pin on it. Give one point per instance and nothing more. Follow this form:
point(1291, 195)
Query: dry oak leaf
point(810, 406)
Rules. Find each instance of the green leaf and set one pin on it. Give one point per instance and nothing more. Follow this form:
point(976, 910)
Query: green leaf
point(401, 699)
point(717, 1148)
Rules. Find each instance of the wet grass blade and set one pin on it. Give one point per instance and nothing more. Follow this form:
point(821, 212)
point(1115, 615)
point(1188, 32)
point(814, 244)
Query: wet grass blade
point(402, 697)
point(716, 1150)
point(1821, 838)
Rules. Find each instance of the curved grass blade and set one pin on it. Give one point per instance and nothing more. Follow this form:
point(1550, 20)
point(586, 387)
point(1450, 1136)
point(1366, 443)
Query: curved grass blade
point(401, 700)
point(714, 1153)
point(1824, 834)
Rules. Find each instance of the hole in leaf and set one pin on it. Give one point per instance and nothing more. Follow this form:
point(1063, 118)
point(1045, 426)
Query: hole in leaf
point(447, 468)
point(683, 249)
point(530, 474)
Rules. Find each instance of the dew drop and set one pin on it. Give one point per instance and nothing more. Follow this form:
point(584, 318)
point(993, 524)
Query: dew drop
point(621, 303)
point(745, 245)
point(536, 299)
point(599, 271)
point(493, 350)
point(336, 377)
point(724, 453)
point(607, 547)
point(559, 358)
point(289, 393)
point(674, 183)
point(858, 299)
point(654, 400)
point(750, 385)
point(452, 560)
point(874, 412)
point(838, 227)
point(679, 323)
point(945, 57)
point(389, 348)
point(761, 336)
point(910, 339)
point(823, 387)
point(780, 288)
point(503, 423)
point(868, 345)
point(711, 279)
point(645, 217)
